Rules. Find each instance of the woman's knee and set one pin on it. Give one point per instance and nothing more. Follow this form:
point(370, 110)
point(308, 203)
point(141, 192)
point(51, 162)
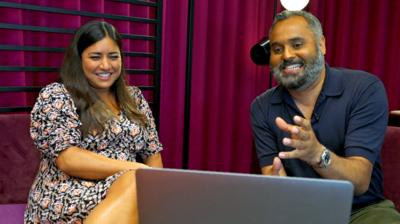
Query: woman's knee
point(124, 184)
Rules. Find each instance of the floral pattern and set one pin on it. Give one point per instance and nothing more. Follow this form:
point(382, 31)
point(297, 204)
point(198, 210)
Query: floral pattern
point(56, 197)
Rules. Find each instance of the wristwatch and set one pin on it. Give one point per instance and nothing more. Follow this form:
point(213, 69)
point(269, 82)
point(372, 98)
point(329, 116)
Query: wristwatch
point(325, 158)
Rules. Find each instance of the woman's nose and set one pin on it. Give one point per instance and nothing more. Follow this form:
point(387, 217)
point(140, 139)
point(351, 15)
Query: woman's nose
point(105, 63)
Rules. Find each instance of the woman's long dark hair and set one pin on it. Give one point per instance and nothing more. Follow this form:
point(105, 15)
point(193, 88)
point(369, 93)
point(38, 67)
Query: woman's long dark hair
point(92, 111)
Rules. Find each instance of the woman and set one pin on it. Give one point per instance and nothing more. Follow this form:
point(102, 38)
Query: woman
point(90, 128)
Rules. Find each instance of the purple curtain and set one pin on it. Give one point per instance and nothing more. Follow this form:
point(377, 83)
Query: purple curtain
point(224, 83)
point(175, 14)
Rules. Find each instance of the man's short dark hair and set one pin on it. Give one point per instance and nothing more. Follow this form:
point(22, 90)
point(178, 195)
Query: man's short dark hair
point(313, 22)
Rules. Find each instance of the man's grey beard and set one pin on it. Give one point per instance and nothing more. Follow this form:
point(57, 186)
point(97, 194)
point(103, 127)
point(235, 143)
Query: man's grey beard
point(311, 73)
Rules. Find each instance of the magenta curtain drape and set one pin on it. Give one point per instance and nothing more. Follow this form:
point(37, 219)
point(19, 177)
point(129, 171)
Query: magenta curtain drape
point(224, 83)
point(173, 68)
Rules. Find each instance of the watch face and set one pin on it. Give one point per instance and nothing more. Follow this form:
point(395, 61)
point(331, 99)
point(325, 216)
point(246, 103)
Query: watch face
point(326, 158)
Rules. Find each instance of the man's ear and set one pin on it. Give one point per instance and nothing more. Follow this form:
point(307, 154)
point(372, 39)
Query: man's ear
point(322, 45)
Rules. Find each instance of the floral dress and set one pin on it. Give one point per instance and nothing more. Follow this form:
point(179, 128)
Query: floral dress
point(56, 197)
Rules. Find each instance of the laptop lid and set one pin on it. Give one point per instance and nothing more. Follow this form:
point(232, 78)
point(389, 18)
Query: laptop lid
point(171, 196)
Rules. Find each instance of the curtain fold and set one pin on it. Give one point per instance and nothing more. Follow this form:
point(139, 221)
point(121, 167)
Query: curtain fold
point(224, 82)
point(173, 71)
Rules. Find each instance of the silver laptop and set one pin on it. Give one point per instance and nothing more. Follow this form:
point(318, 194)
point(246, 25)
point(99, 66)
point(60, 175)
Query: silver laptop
point(169, 196)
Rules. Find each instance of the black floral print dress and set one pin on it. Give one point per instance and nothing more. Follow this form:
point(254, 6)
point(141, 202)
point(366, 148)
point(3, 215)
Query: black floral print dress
point(56, 197)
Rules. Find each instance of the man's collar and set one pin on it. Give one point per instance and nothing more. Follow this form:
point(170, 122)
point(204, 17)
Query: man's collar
point(277, 94)
point(333, 84)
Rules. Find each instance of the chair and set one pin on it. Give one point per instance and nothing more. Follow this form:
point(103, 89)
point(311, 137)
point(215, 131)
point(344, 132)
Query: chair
point(12, 213)
point(394, 118)
point(391, 164)
point(19, 162)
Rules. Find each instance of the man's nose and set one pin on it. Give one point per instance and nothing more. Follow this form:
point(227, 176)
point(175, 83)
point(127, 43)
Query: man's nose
point(287, 53)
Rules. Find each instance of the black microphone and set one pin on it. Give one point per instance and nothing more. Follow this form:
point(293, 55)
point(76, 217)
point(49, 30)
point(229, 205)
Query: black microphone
point(260, 52)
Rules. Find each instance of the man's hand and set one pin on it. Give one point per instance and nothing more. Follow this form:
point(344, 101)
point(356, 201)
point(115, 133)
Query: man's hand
point(302, 138)
point(306, 146)
point(276, 169)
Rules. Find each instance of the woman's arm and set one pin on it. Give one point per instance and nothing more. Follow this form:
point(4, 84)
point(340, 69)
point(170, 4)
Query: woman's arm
point(154, 160)
point(85, 164)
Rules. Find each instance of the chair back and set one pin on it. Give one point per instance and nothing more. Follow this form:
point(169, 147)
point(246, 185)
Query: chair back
point(19, 158)
point(391, 164)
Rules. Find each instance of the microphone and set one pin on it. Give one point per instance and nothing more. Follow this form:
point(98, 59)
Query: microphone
point(260, 52)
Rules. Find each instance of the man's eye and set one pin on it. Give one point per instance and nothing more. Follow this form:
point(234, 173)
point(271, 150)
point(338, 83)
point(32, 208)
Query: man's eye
point(297, 45)
point(276, 50)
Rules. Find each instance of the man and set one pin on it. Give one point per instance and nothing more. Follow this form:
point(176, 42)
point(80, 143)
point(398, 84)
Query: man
point(319, 121)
